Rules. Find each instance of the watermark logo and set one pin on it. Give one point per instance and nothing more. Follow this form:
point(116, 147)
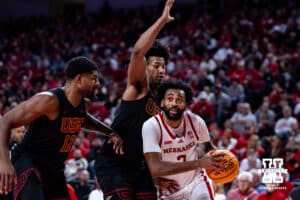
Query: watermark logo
point(272, 171)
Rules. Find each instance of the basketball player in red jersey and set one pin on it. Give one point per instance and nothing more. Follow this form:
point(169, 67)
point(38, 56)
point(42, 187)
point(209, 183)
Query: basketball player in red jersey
point(55, 118)
point(170, 144)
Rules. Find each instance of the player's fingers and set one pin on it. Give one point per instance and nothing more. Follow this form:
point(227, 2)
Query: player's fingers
point(219, 159)
point(6, 185)
point(11, 182)
point(1, 184)
point(173, 189)
point(170, 3)
point(118, 147)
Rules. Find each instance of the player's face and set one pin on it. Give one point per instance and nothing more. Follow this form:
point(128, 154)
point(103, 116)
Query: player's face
point(174, 103)
point(89, 84)
point(156, 69)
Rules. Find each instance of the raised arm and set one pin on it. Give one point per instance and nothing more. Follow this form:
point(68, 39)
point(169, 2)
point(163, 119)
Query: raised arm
point(41, 104)
point(137, 65)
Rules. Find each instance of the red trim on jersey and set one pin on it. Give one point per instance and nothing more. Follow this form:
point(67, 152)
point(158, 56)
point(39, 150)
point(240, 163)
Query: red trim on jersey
point(191, 122)
point(160, 140)
point(168, 130)
point(208, 187)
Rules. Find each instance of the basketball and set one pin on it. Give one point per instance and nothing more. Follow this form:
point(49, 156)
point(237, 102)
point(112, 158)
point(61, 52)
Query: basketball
point(231, 168)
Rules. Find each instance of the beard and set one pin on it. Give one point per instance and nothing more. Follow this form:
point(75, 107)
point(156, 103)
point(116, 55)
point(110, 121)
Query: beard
point(172, 116)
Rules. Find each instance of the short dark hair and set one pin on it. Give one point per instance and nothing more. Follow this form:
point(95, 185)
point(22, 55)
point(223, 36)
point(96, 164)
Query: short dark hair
point(158, 50)
point(79, 65)
point(175, 84)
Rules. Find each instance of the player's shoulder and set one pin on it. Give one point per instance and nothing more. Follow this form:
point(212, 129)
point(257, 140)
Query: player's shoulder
point(194, 117)
point(152, 120)
point(46, 97)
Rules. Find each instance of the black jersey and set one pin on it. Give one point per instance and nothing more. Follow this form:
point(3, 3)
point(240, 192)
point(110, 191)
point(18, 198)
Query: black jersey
point(129, 119)
point(53, 139)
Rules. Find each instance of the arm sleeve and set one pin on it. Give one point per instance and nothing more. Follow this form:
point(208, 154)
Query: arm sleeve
point(151, 136)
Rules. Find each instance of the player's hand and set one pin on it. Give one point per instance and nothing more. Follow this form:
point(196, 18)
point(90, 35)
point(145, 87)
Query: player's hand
point(167, 185)
point(7, 177)
point(166, 13)
point(212, 161)
point(118, 143)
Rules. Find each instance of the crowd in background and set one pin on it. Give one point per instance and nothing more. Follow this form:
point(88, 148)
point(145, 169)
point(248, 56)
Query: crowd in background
point(244, 67)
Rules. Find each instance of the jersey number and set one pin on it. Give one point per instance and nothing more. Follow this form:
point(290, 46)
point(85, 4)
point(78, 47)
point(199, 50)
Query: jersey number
point(181, 157)
point(69, 140)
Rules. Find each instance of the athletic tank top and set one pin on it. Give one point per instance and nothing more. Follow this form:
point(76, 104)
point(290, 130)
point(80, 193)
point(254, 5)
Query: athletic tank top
point(179, 149)
point(129, 119)
point(53, 139)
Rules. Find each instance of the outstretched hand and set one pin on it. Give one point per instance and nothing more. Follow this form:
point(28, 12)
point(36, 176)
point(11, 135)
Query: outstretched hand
point(7, 177)
point(118, 143)
point(166, 13)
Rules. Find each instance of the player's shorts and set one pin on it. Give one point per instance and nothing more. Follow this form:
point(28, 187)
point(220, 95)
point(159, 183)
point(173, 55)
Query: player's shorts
point(39, 179)
point(199, 188)
point(124, 185)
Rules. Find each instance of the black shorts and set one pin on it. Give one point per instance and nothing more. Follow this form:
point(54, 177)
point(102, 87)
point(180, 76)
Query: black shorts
point(39, 179)
point(126, 185)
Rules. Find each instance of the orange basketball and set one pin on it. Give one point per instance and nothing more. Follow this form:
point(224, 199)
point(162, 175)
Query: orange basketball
point(231, 168)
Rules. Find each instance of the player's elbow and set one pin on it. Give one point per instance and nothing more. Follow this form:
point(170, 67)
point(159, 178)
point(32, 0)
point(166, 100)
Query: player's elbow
point(137, 52)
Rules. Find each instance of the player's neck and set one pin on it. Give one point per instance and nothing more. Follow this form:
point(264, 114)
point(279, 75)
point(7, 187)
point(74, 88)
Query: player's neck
point(173, 123)
point(72, 95)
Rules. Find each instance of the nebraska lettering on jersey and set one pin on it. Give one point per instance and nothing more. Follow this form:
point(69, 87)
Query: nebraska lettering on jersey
point(71, 125)
point(151, 107)
point(179, 149)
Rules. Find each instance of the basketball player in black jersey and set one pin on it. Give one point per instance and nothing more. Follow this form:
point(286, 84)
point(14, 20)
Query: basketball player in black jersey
point(126, 176)
point(55, 117)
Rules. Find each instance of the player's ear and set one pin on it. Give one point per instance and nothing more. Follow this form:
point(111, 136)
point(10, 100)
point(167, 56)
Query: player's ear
point(78, 78)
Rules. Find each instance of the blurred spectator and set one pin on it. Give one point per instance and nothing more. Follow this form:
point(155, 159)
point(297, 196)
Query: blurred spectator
point(227, 141)
point(292, 163)
point(272, 193)
point(295, 194)
point(204, 108)
point(242, 117)
point(284, 126)
point(96, 147)
point(221, 102)
point(264, 111)
point(78, 144)
point(244, 189)
point(236, 91)
point(218, 191)
point(74, 165)
point(17, 135)
point(252, 161)
point(83, 187)
point(275, 95)
point(265, 129)
point(207, 63)
point(258, 186)
point(274, 148)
